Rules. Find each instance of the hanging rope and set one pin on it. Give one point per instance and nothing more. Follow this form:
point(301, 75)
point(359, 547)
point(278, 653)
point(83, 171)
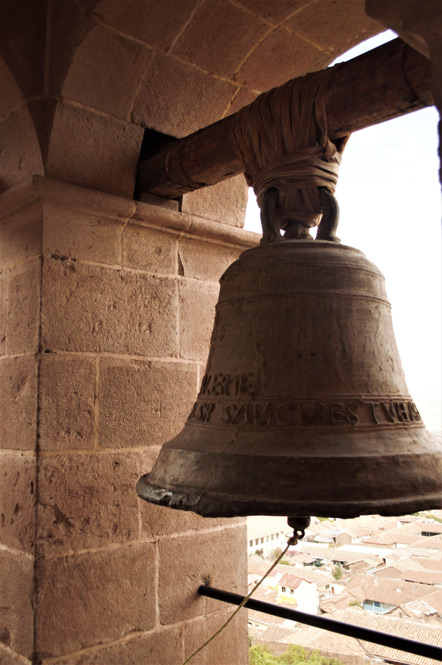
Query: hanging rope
point(291, 541)
point(283, 143)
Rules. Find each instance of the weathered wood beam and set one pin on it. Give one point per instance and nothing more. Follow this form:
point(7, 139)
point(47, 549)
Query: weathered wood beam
point(381, 84)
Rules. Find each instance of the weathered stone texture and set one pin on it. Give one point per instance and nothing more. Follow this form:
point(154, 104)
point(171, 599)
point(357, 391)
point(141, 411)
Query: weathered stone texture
point(87, 501)
point(202, 42)
point(161, 647)
point(67, 401)
point(143, 403)
point(225, 202)
point(163, 105)
point(16, 615)
point(76, 234)
point(20, 235)
point(152, 22)
point(149, 250)
point(23, 321)
point(21, 154)
point(17, 499)
point(265, 69)
point(94, 598)
point(90, 308)
point(219, 556)
point(18, 415)
point(229, 648)
point(275, 11)
point(3, 311)
point(204, 261)
point(105, 72)
point(103, 152)
point(8, 657)
point(197, 314)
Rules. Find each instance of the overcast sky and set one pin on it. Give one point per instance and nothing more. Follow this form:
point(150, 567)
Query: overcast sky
point(389, 195)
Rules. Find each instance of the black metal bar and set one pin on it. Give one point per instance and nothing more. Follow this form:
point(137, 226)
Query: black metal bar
point(358, 632)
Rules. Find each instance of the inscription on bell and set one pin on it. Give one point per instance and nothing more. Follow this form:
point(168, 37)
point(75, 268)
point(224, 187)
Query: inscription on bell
point(303, 413)
point(228, 384)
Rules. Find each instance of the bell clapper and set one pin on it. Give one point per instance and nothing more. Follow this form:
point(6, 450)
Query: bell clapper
point(299, 525)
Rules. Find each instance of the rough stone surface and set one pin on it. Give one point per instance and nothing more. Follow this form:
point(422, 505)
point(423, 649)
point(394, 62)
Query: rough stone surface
point(160, 647)
point(76, 234)
point(20, 235)
point(87, 501)
point(23, 320)
point(93, 150)
point(67, 401)
point(265, 68)
point(274, 11)
point(11, 96)
point(225, 202)
point(17, 496)
point(21, 156)
point(197, 315)
point(228, 648)
point(150, 250)
point(177, 99)
point(143, 403)
point(90, 308)
point(204, 261)
point(350, 25)
point(8, 657)
point(218, 46)
point(105, 72)
point(219, 556)
point(3, 310)
point(94, 598)
point(16, 615)
point(18, 415)
point(243, 98)
point(155, 23)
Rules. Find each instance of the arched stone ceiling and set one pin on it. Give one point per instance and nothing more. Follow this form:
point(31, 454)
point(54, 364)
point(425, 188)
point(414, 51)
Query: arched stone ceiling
point(95, 73)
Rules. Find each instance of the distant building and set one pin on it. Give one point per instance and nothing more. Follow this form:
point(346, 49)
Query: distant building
point(266, 533)
point(302, 594)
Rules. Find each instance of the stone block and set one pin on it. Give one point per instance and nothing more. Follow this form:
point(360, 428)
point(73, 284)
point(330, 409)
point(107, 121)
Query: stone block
point(143, 403)
point(106, 71)
point(87, 501)
point(265, 68)
point(152, 22)
point(225, 202)
point(18, 415)
point(197, 315)
point(93, 598)
point(218, 556)
point(149, 250)
point(77, 234)
point(243, 98)
point(16, 614)
point(93, 150)
point(23, 322)
point(21, 155)
point(11, 96)
point(67, 401)
point(8, 657)
point(178, 99)
point(20, 237)
point(92, 308)
point(205, 261)
point(218, 46)
point(350, 25)
point(160, 647)
point(274, 11)
point(3, 310)
point(17, 497)
point(229, 648)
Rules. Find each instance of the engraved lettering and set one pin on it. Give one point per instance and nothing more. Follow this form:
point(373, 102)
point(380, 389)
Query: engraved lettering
point(389, 411)
point(402, 412)
point(205, 383)
point(352, 414)
point(288, 414)
point(264, 414)
point(202, 412)
point(219, 384)
point(248, 382)
point(373, 406)
point(338, 413)
point(414, 413)
point(313, 414)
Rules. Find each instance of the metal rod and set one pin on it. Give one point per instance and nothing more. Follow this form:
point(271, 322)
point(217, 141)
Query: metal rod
point(358, 632)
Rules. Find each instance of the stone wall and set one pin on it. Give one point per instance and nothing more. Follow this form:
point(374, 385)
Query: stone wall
point(109, 307)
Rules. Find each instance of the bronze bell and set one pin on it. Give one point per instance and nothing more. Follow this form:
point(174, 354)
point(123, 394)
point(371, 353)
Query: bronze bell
point(304, 408)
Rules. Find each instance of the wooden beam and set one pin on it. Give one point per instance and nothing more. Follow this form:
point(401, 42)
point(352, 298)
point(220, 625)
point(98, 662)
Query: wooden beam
point(385, 83)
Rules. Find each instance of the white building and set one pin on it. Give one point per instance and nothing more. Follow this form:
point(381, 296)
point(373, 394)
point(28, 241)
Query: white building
point(266, 533)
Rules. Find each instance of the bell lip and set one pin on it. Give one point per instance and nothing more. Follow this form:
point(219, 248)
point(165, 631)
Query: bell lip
point(211, 505)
